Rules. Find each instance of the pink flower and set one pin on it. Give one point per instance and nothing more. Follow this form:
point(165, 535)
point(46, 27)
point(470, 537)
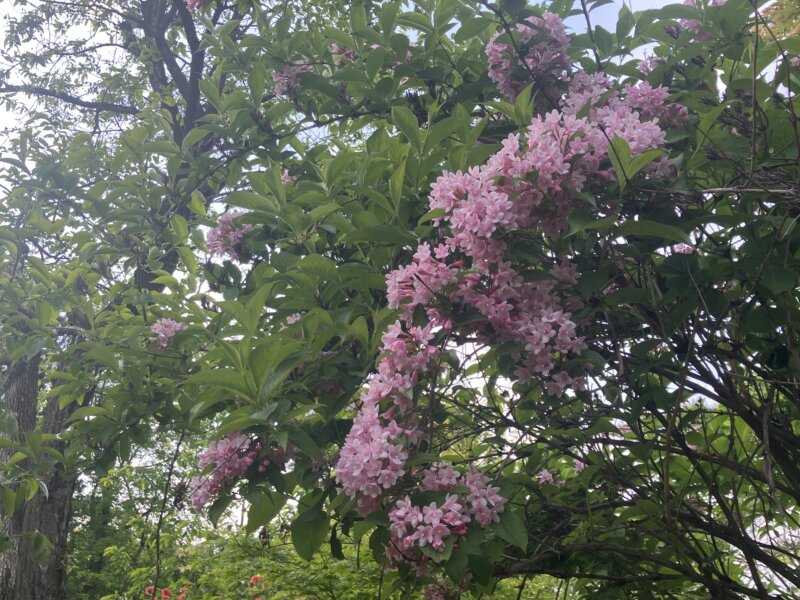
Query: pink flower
point(286, 177)
point(649, 63)
point(795, 62)
point(226, 237)
point(545, 477)
point(545, 60)
point(194, 4)
point(165, 330)
point(229, 458)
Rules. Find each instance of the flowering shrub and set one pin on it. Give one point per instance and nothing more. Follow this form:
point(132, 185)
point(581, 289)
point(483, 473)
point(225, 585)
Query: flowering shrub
point(584, 360)
point(532, 184)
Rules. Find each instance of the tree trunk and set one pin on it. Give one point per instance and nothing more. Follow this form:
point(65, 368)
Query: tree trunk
point(21, 576)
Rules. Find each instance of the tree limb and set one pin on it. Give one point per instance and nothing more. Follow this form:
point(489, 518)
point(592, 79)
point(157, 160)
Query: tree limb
point(35, 90)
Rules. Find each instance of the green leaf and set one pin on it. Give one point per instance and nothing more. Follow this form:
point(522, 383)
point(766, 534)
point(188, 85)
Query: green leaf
point(471, 27)
point(180, 227)
point(164, 148)
point(229, 379)
point(309, 531)
point(264, 506)
point(252, 201)
point(217, 509)
point(777, 279)
point(625, 23)
point(604, 40)
point(388, 15)
point(374, 62)
point(359, 330)
point(416, 21)
point(656, 230)
point(620, 154)
point(40, 547)
point(336, 546)
point(396, 182)
point(407, 123)
point(382, 234)
point(512, 529)
point(9, 500)
point(188, 259)
point(642, 160)
point(305, 443)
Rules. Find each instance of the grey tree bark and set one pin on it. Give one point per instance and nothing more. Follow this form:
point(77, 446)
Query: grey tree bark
point(21, 576)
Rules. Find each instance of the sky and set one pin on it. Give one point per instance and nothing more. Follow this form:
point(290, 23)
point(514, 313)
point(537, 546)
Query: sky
point(606, 16)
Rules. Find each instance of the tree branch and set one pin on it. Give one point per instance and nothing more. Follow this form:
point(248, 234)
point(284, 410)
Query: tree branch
point(34, 90)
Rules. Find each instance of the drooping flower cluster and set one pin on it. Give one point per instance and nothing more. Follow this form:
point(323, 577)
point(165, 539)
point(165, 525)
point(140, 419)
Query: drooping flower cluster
point(468, 285)
point(540, 55)
point(165, 330)
point(230, 458)
point(413, 528)
point(374, 455)
point(226, 237)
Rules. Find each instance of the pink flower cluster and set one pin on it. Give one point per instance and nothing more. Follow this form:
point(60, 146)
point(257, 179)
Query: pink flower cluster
point(227, 235)
point(230, 457)
point(375, 451)
point(649, 64)
point(286, 80)
point(435, 591)
point(466, 285)
point(540, 55)
point(165, 330)
point(413, 527)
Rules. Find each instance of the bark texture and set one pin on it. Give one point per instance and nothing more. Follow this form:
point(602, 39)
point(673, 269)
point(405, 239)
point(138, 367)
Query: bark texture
point(21, 576)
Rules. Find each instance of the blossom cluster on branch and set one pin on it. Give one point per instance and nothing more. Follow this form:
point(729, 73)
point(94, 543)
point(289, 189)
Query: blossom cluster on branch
point(164, 330)
point(227, 236)
point(532, 183)
point(229, 459)
point(539, 55)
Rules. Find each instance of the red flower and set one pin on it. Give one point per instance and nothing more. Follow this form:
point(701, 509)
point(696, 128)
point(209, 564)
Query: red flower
point(149, 590)
point(255, 578)
point(165, 593)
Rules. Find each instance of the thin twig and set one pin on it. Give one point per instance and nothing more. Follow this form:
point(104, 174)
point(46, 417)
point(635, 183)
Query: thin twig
point(163, 511)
